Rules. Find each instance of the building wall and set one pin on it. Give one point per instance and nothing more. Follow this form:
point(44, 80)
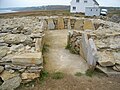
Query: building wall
point(92, 11)
point(80, 7)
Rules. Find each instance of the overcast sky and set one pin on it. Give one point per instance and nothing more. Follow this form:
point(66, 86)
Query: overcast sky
point(29, 3)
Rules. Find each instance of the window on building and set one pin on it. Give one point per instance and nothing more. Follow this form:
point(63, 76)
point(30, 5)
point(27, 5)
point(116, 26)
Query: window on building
point(77, 1)
point(91, 9)
point(74, 8)
point(85, 1)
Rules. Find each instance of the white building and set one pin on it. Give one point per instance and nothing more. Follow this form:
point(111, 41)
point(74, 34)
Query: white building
point(78, 6)
point(92, 11)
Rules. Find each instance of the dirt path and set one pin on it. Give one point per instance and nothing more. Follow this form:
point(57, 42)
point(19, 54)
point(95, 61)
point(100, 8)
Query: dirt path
point(60, 59)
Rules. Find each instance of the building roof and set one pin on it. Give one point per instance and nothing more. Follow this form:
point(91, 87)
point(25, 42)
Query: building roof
point(96, 2)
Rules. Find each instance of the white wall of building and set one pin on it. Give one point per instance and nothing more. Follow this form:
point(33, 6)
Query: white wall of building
point(80, 6)
point(92, 11)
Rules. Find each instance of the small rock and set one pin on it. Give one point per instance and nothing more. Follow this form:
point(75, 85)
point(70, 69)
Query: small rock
point(3, 51)
point(15, 48)
point(117, 68)
point(1, 69)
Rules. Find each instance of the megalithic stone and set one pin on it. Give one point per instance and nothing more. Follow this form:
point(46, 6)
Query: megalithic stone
point(84, 46)
point(79, 24)
point(60, 23)
point(88, 25)
point(43, 24)
point(51, 24)
point(92, 57)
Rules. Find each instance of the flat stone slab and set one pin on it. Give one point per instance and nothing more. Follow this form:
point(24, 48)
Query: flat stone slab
point(28, 58)
point(108, 71)
point(30, 76)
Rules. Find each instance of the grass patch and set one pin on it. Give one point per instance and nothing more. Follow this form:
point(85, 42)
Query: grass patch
point(68, 46)
point(43, 75)
point(45, 48)
point(78, 74)
point(89, 73)
point(57, 75)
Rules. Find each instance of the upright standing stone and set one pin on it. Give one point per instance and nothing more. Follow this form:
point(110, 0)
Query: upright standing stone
point(88, 25)
point(79, 24)
point(51, 24)
point(43, 24)
point(92, 54)
point(84, 46)
point(60, 23)
point(69, 24)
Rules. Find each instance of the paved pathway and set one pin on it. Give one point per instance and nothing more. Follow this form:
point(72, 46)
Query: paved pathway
point(58, 58)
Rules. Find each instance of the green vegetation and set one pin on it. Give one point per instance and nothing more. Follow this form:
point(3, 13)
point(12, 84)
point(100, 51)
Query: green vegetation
point(89, 73)
point(43, 75)
point(78, 74)
point(45, 48)
point(57, 75)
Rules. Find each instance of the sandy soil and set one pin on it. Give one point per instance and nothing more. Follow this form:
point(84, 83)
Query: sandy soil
point(58, 58)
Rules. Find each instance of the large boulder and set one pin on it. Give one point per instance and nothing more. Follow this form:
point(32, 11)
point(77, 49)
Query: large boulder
point(11, 84)
point(106, 59)
point(17, 38)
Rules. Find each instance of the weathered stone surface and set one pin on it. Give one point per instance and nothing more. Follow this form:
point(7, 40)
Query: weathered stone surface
point(29, 76)
point(11, 84)
point(14, 67)
point(17, 38)
point(106, 59)
point(117, 57)
point(84, 46)
point(88, 25)
point(15, 48)
point(6, 75)
point(43, 24)
point(51, 24)
point(28, 58)
point(79, 24)
point(1, 69)
point(108, 71)
point(38, 44)
point(92, 54)
point(117, 68)
point(3, 51)
point(36, 35)
point(60, 23)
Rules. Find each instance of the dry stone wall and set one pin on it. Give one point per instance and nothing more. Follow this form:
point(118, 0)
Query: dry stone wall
point(21, 42)
point(106, 48)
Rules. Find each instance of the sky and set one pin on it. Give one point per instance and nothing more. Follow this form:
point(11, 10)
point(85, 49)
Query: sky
point(29, 3)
